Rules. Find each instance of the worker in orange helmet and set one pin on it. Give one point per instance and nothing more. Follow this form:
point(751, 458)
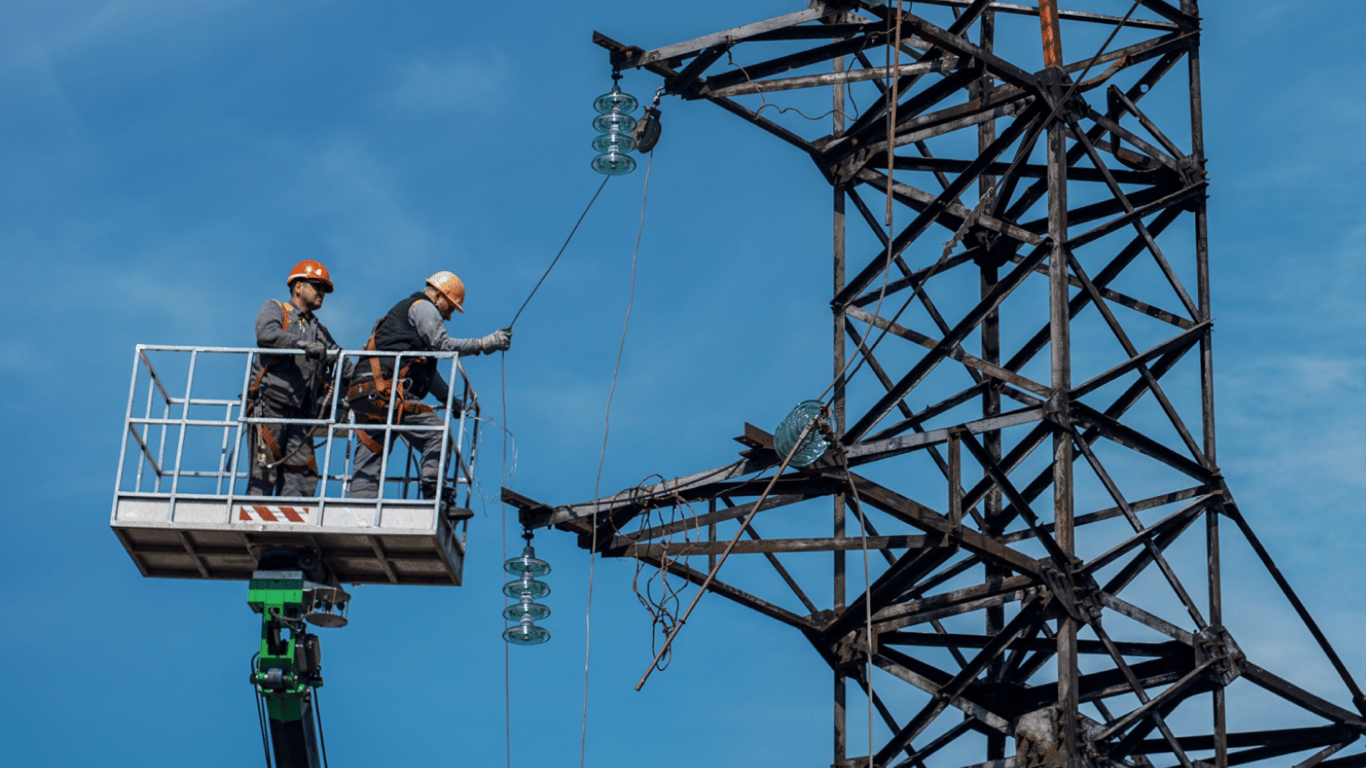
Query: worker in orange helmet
point(297, 386)
point(413, 324)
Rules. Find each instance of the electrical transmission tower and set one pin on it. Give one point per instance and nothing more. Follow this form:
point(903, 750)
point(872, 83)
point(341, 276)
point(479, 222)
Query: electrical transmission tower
point(1023, 408)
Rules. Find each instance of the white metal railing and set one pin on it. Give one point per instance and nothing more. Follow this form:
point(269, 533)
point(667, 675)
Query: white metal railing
point(189, 442)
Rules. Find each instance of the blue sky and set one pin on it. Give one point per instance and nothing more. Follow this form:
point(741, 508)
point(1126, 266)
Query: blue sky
point(162, 165)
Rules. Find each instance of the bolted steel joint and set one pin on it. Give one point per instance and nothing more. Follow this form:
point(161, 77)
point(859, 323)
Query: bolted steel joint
point(1215, 646)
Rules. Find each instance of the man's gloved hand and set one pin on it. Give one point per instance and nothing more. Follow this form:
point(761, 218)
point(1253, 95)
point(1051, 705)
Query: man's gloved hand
point(314, 350)
point(499, 340)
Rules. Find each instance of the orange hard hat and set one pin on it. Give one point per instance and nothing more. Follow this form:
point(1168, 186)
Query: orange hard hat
point(450, 287)
point(308, 269)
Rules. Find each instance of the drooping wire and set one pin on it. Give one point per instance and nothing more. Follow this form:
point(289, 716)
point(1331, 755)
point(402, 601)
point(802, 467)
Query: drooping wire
point(561, 253)
point(318, 712)
point(744, 525)
point(503, 397)
point(260, 712)
point(663, 609)
point(602, 458)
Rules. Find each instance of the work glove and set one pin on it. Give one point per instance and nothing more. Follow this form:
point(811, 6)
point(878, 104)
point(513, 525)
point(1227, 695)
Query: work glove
point(314, 350)
point(498, 341)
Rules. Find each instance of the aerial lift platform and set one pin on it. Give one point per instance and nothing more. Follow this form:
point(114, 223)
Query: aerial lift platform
point(181, 511)
point(180, 507)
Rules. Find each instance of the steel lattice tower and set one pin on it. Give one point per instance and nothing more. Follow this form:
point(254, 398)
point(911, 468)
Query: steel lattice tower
point(1029, 516)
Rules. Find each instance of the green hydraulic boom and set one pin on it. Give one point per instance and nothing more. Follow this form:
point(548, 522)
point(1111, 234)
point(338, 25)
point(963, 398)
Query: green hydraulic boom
point(289, 589)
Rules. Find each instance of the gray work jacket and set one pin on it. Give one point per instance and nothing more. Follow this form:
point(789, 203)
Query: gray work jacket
point(292, 380)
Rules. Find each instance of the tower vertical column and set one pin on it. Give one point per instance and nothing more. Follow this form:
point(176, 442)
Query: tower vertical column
point(837, 408)
point(991, 397)
point(1060, 348)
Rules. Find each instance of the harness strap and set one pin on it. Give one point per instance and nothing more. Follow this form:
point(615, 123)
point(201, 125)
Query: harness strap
point(277, 455)
point(387, 387)
point(255, 388)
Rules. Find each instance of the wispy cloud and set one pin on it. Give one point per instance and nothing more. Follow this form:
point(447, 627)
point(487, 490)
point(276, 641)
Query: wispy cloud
point(457, 82)
point(30, 31)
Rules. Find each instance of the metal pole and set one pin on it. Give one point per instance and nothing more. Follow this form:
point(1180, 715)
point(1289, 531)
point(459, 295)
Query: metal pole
point(841, 692)
point(1213, 553)
point(1061, 359)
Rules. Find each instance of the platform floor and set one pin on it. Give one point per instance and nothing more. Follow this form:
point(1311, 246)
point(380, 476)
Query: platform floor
point(362, 541)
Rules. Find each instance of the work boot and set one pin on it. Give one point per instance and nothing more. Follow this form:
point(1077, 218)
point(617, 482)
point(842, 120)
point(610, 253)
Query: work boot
point(449, 508)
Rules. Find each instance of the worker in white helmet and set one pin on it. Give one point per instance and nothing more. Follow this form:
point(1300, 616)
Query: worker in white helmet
point(415, 323)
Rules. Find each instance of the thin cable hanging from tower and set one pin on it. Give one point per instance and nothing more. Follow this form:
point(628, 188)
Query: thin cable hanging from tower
point(606, 431)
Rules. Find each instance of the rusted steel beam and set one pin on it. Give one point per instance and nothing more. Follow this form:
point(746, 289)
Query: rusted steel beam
point(1103, 278)
point(924, 518)
point(686, 79)
point(1146, 83)
point(1298, 738)
point(754, 73)
point(696, 523)
point(1232, 511)
point(1110, 513)
point(1137, 441)
point(957, 686)
point(1165, 201)
point(928, 363)
point(879, 107)
point(1156, 713)
point(1026, 170)
point(639, 58)
point(957, 353)
point(973, 710)
point(828, 79)
point(733, 594)
point(966, 595)
point(1143, 537)
point(691, 548)
point(1183, 340)
point(863, 453)
point(1123, 337)
point(1052, 35)
point(620, 50)
point(888, 586)
point(1064, 15)
point(950, 42)
point(1167, 11)
point(1090, 647)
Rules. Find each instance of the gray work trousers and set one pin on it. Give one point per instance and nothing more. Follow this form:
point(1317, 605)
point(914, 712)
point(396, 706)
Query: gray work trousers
point(282, 461)
point(365, 472)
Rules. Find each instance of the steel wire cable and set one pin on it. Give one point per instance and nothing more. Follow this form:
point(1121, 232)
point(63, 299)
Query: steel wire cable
point(607, 428)
point(758, 505)
point(507, 652)
point(260, 711)
point(318, 713)
point(561, 252)
point(664, 609)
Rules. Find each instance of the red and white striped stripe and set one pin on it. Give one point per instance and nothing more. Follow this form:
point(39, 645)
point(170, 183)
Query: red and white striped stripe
point(274, 514)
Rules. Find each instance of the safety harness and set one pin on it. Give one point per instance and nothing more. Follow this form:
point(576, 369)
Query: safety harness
point(376, 392)
point(278, 456)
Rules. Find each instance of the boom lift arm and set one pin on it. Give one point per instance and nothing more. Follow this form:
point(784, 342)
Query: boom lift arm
point(289, 588)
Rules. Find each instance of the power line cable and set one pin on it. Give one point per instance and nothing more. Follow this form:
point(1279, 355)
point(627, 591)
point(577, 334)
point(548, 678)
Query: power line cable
point(318, 712)
point(561, 253)
point(607, 427)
